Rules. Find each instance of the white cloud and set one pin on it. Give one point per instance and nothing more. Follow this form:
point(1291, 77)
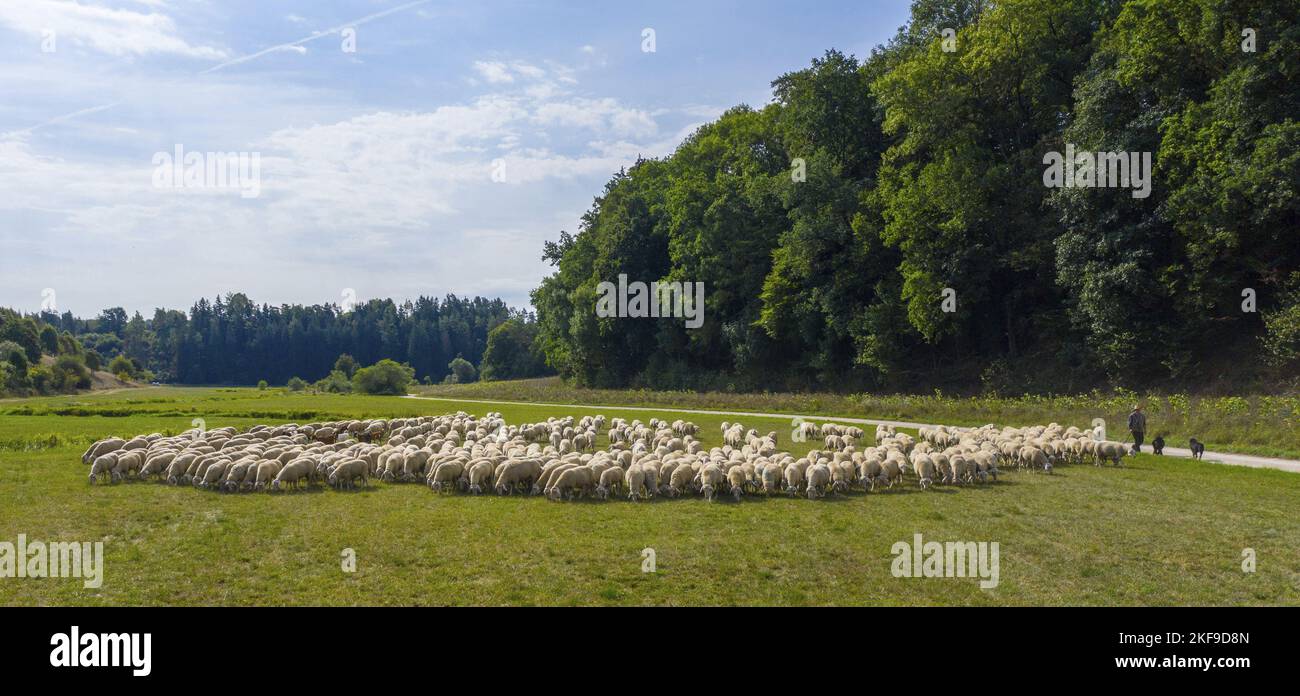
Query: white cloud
point(494, 72)
point(111, 31)
point(393, 203)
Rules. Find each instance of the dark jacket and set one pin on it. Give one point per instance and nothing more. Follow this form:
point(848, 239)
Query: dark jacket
point(1137, 422)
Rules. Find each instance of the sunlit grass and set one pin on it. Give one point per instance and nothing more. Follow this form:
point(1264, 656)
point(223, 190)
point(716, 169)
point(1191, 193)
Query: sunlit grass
point(1157, 531)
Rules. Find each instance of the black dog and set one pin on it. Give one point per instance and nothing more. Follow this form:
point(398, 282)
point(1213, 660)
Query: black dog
point(1158, 445)
point(1197, 449)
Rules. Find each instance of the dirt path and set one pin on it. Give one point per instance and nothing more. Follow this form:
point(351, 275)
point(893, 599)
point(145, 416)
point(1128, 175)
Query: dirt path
point(1220, 457)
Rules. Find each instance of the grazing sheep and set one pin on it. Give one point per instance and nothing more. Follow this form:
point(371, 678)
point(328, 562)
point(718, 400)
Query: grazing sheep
point(479, 474)
point(610, 480)
point(266, 472)
point(818, 477)
point(711, 477)
point(293, 473)
point(634, 480)
point(736, 481)
point(446, 473)
point(102, 447)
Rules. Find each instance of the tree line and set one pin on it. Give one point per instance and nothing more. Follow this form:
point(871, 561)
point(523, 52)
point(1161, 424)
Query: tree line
point(232, 340)
point(887, 223)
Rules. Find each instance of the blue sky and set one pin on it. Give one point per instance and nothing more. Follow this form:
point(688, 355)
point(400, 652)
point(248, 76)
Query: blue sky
point(376, 165)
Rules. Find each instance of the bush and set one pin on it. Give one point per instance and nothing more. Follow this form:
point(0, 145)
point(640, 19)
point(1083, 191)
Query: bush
point(262, 385)
point(93, 361)
point(41, 379)
point(384, 377)
point(69, 374)
point(462, 371)
point(122, 365)
point(296, 384)
point(347, 365)
point(15, 355)
point(334, 383)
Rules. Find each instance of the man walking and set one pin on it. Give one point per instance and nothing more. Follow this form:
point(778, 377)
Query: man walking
point(1137, 424)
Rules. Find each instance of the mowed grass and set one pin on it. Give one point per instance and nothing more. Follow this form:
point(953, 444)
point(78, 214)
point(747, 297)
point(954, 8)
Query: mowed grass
point(1156, 531)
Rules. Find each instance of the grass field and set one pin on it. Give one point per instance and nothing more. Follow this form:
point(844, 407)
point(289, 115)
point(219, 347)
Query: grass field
point(1157, 531)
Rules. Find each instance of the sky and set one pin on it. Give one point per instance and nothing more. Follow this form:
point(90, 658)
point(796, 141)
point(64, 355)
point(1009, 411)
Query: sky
point(390, 148)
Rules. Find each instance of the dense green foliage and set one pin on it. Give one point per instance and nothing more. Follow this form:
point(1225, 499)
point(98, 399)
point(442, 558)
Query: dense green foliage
point(827, 225)
point(232, 340)
point(512, 352)
point(23, 342)
point(384, 377)
point(461, 371)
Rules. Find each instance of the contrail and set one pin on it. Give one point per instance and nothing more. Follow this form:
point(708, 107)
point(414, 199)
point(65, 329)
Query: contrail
point(316, 35)
point(235, 61)
point(60, 119)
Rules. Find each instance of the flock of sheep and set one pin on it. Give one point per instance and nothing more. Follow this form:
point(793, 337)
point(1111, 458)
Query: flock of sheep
point(558, 458)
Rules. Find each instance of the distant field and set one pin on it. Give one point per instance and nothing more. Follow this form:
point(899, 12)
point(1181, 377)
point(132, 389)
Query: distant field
point(1157, 531)
point(1263, 425)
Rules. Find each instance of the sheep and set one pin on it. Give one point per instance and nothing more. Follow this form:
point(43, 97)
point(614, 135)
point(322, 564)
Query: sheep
point(711, 477)
point(266, 472)
point(1112, 451)
point(610, 480)
point(445, 473)
point(841, 477)
point(104, 466)
point(771, 476)
point(925, 470)
point(634, 481)
point(519, 472)
point(736, 481)
point(292, 473)
point(571, 483)
point(1034, 458)
point(479, 473)
point(793, 476)
point(128, 462)
point(891, 472)
point(818, 478)
point(100, 448)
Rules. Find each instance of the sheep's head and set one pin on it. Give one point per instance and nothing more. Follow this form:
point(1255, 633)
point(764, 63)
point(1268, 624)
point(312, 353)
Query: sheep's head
point(737, 492)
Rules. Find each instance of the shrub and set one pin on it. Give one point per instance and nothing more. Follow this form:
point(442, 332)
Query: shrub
point(384, 377)
point(334, 383)
point(296, 384)
point(262, 385)
point(69, 374)
point(462, 371)
point(122, 365)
